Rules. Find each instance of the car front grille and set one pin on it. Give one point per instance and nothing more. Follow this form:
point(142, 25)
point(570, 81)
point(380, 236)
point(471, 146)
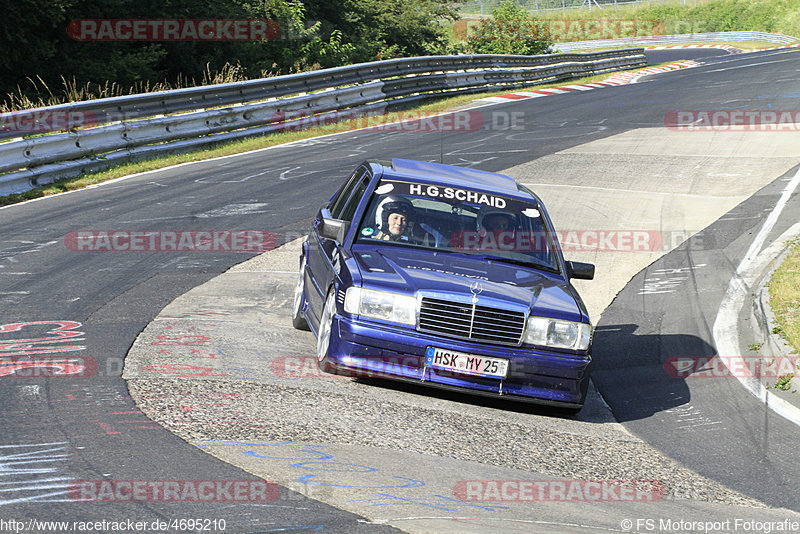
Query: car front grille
point(470, 321)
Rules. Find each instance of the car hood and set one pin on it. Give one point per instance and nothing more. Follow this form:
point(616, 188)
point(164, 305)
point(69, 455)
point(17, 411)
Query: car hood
point(406, 270)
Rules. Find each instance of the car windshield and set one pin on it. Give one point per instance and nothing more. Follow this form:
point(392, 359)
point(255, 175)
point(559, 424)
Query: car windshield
point(451, 219)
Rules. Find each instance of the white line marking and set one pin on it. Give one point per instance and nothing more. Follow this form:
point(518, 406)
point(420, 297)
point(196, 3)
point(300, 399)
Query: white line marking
point(754, 64)
point(495, 99)
point(34, 444)
point(578, 87)
point(30, 391)
point(726, 332)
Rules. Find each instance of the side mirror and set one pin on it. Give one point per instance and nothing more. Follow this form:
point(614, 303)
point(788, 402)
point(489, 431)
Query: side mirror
point(334, 229)
point(580, 270)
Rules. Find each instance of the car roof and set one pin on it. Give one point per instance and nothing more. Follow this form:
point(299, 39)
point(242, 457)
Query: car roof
point(452, 175)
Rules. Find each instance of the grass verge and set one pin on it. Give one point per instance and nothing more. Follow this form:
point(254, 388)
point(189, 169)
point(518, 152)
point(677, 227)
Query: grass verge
point(256, 143)
point(784, 291)
point(672, 16)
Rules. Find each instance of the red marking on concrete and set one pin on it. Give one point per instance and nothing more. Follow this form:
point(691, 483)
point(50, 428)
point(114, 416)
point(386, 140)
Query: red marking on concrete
point(184, 370)
point(192, 314)
point(176, 340)
point(106, 427)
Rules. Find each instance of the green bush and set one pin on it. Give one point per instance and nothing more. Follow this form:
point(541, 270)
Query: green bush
point(509, 30)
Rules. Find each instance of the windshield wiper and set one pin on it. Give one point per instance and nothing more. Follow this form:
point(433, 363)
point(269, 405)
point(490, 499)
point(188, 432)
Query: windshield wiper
point(524, 263)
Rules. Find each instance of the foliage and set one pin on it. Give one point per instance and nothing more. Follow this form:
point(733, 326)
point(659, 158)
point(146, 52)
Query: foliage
point(784, 291)
point(784, 382)
point(698, 16)
point(39, 54)
point(509, 30)
point(387, 28)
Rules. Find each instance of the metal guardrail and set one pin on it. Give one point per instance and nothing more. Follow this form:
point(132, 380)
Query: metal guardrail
point(105, 110)
point(140, 126)
point(655, 40)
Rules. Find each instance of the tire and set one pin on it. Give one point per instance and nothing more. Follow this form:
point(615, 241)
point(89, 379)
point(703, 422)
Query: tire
point(298, 320)
point(324, 333)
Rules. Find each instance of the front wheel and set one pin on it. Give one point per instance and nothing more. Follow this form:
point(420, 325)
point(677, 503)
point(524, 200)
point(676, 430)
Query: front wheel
point(298, 320)
point(325, 331)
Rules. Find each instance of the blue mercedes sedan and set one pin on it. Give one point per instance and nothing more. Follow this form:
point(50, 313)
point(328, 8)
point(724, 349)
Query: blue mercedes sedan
point(445, 276)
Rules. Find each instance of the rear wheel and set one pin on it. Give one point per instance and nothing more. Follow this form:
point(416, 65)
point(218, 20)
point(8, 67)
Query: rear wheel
point(298, 320)
point(324, 334)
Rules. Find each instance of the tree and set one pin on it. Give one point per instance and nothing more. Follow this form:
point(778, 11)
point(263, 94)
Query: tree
point(510, 30)
point(40, 52)
point(378, 29)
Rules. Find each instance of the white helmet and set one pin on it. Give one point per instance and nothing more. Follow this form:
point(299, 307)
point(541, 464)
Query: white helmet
point(392, 204)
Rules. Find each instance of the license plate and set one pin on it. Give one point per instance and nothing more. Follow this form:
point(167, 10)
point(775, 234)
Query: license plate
point(469, 364)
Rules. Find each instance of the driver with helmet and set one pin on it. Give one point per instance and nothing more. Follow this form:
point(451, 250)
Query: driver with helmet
point(496, 230)
point(393, 216)
point(494, 220)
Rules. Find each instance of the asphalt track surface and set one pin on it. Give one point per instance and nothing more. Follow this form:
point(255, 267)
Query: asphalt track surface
point(713, 426)
point(654, 57)
point(58, 430)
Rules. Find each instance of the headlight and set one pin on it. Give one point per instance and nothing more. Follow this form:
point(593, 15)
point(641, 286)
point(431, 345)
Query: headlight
point(393, 307)
point(558, 334)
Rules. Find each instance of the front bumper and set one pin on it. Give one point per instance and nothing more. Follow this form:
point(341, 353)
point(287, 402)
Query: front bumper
point(361, 347)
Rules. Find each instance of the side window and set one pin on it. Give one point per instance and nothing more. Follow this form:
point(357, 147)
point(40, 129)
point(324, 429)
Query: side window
point(339, 200)
point(355, 198)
